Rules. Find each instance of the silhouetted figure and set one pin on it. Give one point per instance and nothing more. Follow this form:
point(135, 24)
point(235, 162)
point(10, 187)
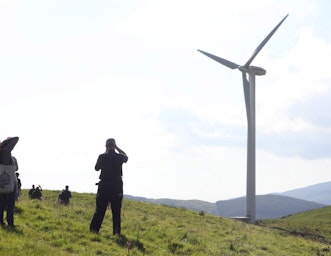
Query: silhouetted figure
point(33, 189)
point(7, 200)
point(36, 194)
point(110, 189)
point(65, 196)
point(19, 186)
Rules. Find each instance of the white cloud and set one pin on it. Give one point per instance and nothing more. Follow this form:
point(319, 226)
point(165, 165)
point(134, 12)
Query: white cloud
point(294, 79)
point(73, 74)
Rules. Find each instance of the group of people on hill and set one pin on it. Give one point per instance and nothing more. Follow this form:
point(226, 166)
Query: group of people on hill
point(110, 186)
point(35, 192)
point(63, 198)
point(10, 183)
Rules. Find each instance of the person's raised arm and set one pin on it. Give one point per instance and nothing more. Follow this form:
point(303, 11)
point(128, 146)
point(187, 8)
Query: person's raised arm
point(9, 143)
point(122, 153)
point(120, 150)
point(6, 147)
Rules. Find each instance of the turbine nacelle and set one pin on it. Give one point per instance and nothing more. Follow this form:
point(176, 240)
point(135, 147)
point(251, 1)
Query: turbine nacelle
point(253, 70)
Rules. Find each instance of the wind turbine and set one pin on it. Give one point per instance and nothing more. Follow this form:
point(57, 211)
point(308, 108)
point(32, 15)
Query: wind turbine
point(249, 92)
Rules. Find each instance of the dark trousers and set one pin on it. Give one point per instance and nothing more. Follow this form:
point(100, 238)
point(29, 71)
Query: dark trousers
point(7, 202)
point(108, 194)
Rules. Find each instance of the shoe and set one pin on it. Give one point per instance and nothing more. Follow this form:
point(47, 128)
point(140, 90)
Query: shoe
point(94, 231)
point(116, 232)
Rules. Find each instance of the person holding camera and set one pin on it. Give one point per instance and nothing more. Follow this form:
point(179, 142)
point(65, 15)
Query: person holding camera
point(110, 186)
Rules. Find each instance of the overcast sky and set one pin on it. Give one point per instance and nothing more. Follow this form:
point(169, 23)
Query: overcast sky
point(74, 73)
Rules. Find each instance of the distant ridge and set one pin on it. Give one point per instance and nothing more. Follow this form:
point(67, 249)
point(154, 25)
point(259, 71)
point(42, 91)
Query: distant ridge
point(267, 206)
point(319, 193)
point(275, 205)
point(195, 205)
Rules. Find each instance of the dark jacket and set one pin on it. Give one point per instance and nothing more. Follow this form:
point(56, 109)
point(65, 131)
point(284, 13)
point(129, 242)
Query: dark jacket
point(110, 164)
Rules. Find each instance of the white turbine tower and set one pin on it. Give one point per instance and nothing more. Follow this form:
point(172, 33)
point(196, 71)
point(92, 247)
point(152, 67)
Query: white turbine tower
point(249, 92)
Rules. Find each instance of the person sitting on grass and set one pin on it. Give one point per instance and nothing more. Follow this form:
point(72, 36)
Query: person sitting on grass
point(33, 189)
point(37, 193)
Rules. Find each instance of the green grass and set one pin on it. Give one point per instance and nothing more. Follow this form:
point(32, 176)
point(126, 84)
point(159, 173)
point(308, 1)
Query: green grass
point(47, 228)
point(314, 224)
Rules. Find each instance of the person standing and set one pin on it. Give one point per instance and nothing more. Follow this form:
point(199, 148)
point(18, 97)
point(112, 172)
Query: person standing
point(19, 183)
point(65, 196)
point(110, 186)
point(19, 187)
point(7, 200)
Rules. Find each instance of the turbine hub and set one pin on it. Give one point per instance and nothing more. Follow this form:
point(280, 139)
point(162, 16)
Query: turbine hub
point(253, 70)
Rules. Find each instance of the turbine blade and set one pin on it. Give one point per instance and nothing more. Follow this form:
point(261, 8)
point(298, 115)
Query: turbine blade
point(259, 48)
point(225, 62)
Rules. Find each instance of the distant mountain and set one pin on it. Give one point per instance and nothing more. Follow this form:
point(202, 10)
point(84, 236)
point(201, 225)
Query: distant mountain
point(274, 205)
point(319, 193)
point(267, 206)
point(196, 205)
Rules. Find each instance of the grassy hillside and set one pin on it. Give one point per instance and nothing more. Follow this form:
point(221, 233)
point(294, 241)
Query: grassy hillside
point(196, 205)
point(313, 224)
point(47, 228)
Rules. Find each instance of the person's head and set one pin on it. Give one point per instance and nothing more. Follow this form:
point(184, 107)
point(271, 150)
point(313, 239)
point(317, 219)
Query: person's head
point(110, 144)
point(33, 186)
point(67, 187)
point(17, 174)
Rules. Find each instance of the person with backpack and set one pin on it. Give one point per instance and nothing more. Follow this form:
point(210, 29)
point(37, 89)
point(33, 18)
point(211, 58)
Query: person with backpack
point(110, 186)
point(8, 180)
